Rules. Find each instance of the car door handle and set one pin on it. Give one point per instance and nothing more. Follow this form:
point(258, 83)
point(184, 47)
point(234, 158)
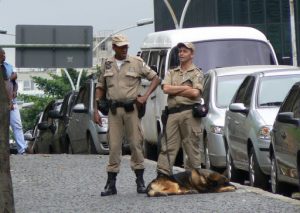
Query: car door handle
point(236, 122)
point(153, 97)
point(228, 118)
point(77, 120)
point(283, 135)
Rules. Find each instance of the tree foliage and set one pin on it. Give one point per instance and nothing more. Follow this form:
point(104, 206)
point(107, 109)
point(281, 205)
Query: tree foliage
point(58, 86)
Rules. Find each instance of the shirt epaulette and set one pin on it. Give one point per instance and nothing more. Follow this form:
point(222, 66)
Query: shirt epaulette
point(138, 58)
point(175, 69)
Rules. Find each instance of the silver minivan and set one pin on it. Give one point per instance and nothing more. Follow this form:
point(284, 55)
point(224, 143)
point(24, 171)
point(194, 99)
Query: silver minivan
point(219, 87)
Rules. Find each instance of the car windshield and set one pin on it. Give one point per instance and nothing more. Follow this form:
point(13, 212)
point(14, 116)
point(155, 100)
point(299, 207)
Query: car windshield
point(273, 89)
point(226, 87)
point(225, 53)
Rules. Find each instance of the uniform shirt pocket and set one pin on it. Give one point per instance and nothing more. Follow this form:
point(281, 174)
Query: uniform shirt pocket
point(109, 78)
point(132, 78)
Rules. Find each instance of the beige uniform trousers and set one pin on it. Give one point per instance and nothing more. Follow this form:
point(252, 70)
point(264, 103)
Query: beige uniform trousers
point(182, 130)
point(124, 125)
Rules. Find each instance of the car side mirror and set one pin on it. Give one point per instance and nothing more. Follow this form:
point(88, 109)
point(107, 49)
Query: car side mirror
point(54, 114)
point(80, 108)
point(288, 117)
point(43, 125)
point(238, 107)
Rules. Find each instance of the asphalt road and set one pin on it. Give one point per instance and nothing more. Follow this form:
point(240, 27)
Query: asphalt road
point(72, 183)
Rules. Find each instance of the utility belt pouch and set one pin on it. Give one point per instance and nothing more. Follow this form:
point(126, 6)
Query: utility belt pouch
point(128, 106)
point(199, 110)
point(113, 107)
point(141, 108)
point(164, 116)
point(103, 106)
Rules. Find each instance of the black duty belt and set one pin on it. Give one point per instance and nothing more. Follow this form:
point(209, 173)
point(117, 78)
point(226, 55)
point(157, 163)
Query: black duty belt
point(121, 104)
point(179, 108)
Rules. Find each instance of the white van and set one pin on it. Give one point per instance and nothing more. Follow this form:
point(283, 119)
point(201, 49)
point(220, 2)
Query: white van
point(215, 47)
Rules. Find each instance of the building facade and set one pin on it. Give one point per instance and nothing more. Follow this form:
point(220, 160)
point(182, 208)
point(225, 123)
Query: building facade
point(272, 17)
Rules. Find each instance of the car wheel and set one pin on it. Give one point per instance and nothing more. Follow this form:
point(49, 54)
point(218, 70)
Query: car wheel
point(206, 155)
point(91, 145)
point(68, 146)
point(256, 177)
point(275, 184)
point(231, 172)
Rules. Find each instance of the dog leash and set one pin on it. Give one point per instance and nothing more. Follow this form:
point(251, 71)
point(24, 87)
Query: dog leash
point(164, 137)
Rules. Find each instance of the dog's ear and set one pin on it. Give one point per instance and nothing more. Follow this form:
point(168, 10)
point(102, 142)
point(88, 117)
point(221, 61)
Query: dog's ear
point(217, 178)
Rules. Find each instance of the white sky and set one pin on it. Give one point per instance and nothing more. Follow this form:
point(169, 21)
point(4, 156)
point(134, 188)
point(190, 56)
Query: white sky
point(101, 14)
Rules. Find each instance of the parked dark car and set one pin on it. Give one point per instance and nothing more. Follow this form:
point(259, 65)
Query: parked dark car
point(40, 140)
point(285, 143)
point(59, 139)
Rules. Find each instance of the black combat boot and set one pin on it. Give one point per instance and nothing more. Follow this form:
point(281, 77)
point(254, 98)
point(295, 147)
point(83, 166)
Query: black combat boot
point(140, 184)
point(110, 187)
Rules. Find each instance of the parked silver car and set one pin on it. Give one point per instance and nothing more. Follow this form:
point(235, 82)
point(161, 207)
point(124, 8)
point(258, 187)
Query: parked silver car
point(83, 134)
point(249, 120)
point(219, 87)
point(285, 143)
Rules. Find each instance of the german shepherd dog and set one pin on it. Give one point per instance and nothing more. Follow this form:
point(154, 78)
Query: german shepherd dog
point(189, 182)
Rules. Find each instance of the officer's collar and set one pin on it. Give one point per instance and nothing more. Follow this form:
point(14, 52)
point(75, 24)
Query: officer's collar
point(191, 68)
point(112, 59)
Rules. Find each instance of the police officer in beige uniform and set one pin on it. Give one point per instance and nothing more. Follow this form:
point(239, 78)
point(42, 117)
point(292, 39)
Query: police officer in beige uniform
point(184, 86)
point(120, 81)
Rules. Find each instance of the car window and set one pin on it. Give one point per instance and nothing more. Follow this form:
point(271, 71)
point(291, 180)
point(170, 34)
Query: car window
point(162, 65)
point(249, 91)
point(145, 56)
point(46, 110)
point(81, 95)
point(153, 60)
point(64, 106)
point(71, 103)
point(225, 53)
point(241, 93)
point(290, 99)
point(226, 86)
point(273, 89)
point(296, 106)
point(206, 88)
point(174, 58)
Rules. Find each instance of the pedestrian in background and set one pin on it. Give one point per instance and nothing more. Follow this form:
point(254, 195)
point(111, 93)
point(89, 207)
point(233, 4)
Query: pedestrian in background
point(120, 82)
point(15, 118)
point(184, 86)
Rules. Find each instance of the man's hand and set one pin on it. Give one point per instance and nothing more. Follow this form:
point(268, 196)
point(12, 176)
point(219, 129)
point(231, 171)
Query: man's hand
point(97, 118)
point(141, 100)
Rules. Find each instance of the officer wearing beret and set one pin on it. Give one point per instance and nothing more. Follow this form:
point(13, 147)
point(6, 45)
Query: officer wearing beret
point(120, 82)
point(184, 86)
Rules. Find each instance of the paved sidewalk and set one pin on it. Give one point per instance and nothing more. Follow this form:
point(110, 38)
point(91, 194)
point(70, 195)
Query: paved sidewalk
point(72, 183)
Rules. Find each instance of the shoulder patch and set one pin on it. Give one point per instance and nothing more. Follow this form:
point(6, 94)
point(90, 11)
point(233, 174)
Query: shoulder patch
point(107, 65)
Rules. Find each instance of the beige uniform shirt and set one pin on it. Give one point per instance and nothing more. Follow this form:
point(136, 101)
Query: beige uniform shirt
point(124, 83)
point(192, 77)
